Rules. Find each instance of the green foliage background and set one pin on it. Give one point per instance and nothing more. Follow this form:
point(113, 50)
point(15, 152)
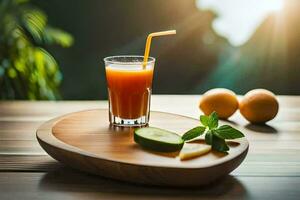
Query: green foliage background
point(27, 69)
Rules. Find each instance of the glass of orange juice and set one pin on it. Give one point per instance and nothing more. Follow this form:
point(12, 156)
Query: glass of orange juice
point(129, 83)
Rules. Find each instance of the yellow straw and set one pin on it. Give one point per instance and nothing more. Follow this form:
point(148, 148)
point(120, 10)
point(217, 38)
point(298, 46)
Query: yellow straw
point(148, 43)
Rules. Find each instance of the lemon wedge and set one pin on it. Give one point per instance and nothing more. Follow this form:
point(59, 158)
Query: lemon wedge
point(191, 150)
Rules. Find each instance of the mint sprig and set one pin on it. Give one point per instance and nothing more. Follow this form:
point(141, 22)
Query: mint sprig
point(214, 135)
point(193, 133)
point(210, 121)
point(227, 132)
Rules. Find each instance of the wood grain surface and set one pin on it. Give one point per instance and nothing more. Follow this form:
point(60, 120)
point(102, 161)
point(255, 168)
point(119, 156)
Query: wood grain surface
point(86, 141)
point(271, 169)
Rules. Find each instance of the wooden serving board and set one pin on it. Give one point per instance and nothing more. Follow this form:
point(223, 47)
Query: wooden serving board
point(85, 141)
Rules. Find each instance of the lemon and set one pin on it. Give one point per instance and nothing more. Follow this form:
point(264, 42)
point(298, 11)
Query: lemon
point(259, 106)
point(221, 100)
point(191, 150)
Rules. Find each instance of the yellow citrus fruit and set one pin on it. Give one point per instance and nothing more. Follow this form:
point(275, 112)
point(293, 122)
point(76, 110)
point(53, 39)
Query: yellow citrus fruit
point(221, 100)
point(259, 106)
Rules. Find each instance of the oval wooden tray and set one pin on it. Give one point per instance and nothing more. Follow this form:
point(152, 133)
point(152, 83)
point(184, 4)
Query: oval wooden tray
point(85, 141)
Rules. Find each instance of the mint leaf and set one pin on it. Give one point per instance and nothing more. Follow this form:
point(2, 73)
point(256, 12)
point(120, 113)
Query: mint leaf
point(204, 120)
point(213, 120)
point(208, 137)
point(227, 132)
point(193, 133)
point(214, 136)
point(219, 144)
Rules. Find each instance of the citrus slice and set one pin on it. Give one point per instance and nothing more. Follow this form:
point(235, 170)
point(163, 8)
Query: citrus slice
point(191, 150)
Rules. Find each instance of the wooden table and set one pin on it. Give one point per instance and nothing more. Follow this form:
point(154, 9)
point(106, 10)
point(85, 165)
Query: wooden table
point(270, 171)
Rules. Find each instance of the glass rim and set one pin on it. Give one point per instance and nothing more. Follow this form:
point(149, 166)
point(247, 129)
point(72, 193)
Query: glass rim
point(110, 59)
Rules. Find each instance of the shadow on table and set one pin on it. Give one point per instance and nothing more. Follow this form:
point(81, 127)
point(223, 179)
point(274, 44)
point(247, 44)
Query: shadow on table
point(66, 179)
point(261, 128)
point(228, 121)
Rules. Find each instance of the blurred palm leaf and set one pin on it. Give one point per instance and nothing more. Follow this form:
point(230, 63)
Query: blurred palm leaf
point(54, 35)
point(34, 21)
point(27, 69)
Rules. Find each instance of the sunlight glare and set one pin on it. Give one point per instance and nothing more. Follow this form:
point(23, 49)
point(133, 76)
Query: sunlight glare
point(238, 19)
point(276, 5)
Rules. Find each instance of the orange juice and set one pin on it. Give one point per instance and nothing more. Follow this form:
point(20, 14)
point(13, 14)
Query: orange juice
point(129, 91)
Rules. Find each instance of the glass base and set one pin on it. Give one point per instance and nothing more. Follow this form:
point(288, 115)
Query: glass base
point(117, 121)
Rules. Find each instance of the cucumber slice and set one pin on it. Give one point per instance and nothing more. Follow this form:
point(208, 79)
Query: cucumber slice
point(157, 139)
point(191, 150)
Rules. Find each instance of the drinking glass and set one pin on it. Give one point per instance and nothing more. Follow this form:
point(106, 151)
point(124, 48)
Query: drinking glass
point(129, 84)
